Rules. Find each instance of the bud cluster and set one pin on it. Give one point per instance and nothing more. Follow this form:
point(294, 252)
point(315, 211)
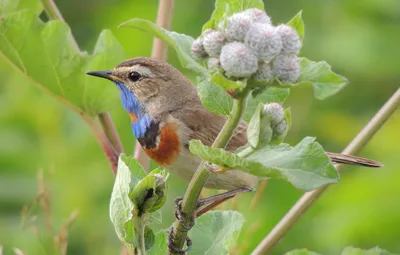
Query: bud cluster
point(278, 123)
point(247, 45)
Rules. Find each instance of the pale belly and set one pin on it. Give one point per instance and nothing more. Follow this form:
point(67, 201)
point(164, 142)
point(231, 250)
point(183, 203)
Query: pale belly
point(185, 165)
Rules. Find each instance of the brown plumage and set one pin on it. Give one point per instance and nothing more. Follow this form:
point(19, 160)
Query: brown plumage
point(169, 99)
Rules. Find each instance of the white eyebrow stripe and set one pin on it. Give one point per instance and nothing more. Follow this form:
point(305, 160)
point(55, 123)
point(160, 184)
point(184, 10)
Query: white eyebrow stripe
point(144, 71)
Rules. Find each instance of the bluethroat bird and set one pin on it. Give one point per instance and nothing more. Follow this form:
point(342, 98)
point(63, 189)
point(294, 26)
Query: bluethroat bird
point(166, 113)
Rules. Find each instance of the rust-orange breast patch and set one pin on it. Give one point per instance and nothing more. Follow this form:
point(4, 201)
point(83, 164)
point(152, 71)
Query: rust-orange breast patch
point(168, 146)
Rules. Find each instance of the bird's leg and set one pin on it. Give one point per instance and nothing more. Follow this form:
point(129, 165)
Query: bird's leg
point(203, 205)
point(207, 203)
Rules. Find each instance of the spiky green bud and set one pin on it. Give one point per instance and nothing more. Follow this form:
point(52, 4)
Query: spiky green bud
point(276, 112)
point(213, 63)
point(291, 43)
point(279, 130)
point(198, 50)
point(264, 72)
point(257, 15)
point(237, 60)
point(286, 68)
point(213, 42)
point(237, 26)
point(264, 40)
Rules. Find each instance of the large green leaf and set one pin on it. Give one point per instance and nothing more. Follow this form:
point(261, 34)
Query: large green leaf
point(319, 75)
point(218, 101)
point(160, 244)
point(225, 8)
point(297, 23)
point(45, 55)
point(305, 166)
point(181, 43)
point(8, 6)
point(358, 251)
point(301, 252)
point(130, 173)
point(216, 232)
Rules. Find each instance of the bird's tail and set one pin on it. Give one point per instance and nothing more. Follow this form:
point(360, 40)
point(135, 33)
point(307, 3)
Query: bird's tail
point(352, 160)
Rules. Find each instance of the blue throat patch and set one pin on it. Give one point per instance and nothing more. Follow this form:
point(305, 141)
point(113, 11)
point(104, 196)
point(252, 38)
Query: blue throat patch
point(132, 105)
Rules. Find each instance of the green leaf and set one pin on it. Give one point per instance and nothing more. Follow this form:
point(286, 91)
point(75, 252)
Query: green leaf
point(301, 252)
point(9, 6)
point(60, 71)
point(216, 100)
point(225, 8)
point(121, 207)
point(297, 23)
point(259, 131)
point(358, 251)
point(220, 80)
point(160, 244)
point(305, 166)
point(216, 232)
point(181, 43)
point(130, 176)
point(320, 76)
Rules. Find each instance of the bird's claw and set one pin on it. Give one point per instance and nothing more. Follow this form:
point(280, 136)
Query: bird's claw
point(172, 248)
point(179, 215)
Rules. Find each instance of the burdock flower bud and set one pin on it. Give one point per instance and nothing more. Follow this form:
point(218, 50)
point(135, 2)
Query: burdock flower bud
point(257, 15)
point(291, 43)
point(197, 49)
point(286, 68)
point(237, 27)
point(279, 130)
point(237, 60)
point(213, 63)
point(264, 40)
point(213, 42)
point(264, 72)
point(276, 112)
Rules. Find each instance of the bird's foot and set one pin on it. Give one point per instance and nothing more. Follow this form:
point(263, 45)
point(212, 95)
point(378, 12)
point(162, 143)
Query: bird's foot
point(180, 216)
point(171, 246)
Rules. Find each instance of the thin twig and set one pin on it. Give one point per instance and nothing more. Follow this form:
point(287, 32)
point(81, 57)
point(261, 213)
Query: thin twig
point(53, 13)
point(309, 198)
point(105, 118)
point(201, 175)
point(160, 49)
point(111, 132)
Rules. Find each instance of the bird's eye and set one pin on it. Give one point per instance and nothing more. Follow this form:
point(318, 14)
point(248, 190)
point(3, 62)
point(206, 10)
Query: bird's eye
point(134, 76)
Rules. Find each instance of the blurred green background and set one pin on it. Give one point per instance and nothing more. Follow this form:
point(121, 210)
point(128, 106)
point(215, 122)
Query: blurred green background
point(360, 39)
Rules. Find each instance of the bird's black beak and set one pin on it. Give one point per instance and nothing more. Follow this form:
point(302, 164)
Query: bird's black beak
point(107, 74)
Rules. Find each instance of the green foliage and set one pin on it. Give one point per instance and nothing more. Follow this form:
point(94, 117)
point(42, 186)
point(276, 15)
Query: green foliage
point(358, 251)
point(259, 131)
point(225, 83)
point(320, 76)
point(216, 100)
point(214, 233)
point(305, 166)
point(61, 69)
point(297, 23)
point(7, 6)
point(179, 42)
point(134, 196)
point(224, 8)
point(346, 251)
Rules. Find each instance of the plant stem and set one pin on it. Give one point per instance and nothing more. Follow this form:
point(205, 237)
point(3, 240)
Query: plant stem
point(160, 49)
point(140, 224)
point(309, 198)
point(201, 175)
point(53, 13)
point(110, 148)
point(110, 131)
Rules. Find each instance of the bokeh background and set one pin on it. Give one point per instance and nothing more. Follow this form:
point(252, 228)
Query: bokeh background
point(360, 39)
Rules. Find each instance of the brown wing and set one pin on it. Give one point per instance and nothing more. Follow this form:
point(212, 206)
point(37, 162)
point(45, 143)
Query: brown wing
point(205, 126)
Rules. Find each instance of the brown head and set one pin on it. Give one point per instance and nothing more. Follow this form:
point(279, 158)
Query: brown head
point(155, 85)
